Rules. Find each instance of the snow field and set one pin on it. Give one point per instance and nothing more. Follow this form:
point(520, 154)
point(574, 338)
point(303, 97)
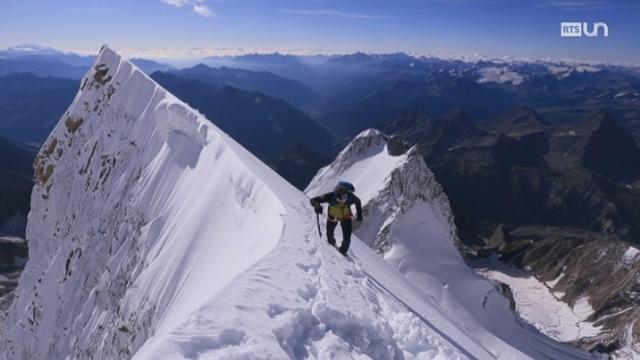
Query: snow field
point(542, 308)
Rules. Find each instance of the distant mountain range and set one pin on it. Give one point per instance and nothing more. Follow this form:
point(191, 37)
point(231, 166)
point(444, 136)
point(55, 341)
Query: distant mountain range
point(365, 106)
point(372, 100)
point(46, 61)
point(344, 93)
point(31, 105)
point(41, 66)
point(292, 91)
point(361, 90)
point(32, 50)
point(349, 93)
point(288, 66)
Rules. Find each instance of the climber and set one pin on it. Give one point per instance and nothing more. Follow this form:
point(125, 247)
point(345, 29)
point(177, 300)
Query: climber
point(340, 201)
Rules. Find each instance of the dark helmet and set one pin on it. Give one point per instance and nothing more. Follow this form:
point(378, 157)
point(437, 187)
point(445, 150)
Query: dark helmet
point(344, 187)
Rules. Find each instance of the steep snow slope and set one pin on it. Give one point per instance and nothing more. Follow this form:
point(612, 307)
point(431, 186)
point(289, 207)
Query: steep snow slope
point(408, 220)
point(154, 235)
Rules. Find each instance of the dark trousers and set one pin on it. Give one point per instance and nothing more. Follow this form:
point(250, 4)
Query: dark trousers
point(346, 226)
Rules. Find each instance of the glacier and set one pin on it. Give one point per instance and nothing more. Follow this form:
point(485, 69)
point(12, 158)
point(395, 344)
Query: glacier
point(154, 235)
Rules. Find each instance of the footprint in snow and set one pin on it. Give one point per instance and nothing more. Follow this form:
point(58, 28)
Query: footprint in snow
point(275, 310)
point(308, 293)
point(310, 268)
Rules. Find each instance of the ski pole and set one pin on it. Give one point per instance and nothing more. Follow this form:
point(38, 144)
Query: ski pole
point(318, 220)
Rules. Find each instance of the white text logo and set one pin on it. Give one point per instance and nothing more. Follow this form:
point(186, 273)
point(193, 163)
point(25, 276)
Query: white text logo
point(578, 29)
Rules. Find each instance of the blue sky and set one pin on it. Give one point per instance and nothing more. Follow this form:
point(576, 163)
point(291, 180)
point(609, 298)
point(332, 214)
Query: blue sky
point(175, 27)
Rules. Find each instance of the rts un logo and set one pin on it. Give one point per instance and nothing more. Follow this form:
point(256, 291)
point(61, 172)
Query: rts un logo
point(579, 29)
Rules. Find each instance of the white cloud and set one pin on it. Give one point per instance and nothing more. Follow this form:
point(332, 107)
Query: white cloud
point(177, 3)
point(198, 6)
point(343, 14)
point(203, 10)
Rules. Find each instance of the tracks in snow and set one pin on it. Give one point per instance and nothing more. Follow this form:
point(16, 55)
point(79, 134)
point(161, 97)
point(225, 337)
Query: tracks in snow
point(336, 324)
point(305, 301)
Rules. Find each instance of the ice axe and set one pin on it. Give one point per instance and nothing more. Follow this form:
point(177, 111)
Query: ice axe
point(318, 221)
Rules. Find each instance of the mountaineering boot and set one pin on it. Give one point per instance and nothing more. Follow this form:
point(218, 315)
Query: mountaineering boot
point(343, 251)
point(331, 227)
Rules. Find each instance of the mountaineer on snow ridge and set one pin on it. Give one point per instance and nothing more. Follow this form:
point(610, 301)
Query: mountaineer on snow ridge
point(340, 201)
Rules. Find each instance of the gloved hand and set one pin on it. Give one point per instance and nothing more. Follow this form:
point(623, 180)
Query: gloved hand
point(359, 218)
point(318, 209)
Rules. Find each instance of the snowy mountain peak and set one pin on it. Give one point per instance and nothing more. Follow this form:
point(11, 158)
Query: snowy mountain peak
point(366, 140)
point(367, 144)
point(133, 188)
point(369, 133)
point(389, 183)
point(154, 235)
